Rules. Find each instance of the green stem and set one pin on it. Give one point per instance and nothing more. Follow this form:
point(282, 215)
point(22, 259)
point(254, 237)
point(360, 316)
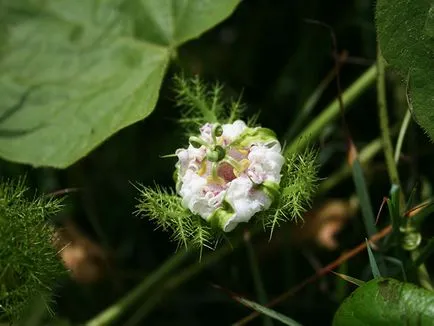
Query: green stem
point(384, 122)
point(332, 111)
point(113, 312)
point(401, 135)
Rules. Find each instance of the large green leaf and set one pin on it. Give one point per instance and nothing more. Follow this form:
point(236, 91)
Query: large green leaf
point(406, 35)
point(73, 72)
point(384, 302)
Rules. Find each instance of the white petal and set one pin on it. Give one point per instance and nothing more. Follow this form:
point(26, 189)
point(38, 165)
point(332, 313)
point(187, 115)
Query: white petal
point(198, 196)
point(231, 131)
point(189, 158)
point(196, 153)
point(245, 201)
point(191, 189)
point(266, 163)
point(200, 206)
point(206, 132)
point(183, 160)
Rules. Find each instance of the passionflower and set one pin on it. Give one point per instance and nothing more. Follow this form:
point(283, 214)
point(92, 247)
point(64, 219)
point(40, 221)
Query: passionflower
point(229, 173)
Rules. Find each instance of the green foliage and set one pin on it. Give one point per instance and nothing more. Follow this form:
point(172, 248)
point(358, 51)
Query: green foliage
point(201, 103)
point(385, 301)
point(405, 33)
point(165, 209)
point(29, 266)
point(297, 188)
point(76, 71)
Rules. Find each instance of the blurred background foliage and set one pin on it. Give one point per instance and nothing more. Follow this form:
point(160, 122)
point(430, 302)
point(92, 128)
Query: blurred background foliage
point(267, 52)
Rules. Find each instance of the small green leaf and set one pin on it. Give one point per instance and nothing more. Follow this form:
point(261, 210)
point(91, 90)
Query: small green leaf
point(74, 72)
point(384, 302)
point(267, 311)
point(406, 35)
point(372, 261)
point(363, 194)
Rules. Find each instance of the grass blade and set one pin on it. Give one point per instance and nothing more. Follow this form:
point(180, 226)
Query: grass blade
point(267, 311)
point(363, 194)
point(349, 279)
point(374, 267)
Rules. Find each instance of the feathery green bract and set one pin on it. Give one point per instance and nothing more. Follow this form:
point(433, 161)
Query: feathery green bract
point(164, 208)
point(201, 103)
point(29, 266)
point(297, 187)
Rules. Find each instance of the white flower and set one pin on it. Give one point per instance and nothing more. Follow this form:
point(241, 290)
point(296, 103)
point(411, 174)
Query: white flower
point(223, 173)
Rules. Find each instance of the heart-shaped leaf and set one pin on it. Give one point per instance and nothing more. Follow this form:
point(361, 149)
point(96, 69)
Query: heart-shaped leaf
point(74, 72)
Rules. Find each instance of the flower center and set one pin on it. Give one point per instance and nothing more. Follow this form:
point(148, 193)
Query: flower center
point(223, 164)
point(226, 171)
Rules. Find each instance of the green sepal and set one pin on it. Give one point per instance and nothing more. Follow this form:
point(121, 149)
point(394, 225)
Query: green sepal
point(177, 179)
point(271, 189)
point(253, 135)
point(220, 217)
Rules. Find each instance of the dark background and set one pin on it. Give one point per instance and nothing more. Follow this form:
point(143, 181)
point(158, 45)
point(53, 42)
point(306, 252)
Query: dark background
point(269, 53)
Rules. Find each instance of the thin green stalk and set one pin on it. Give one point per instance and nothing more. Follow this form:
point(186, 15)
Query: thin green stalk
point(113, 312)
point(401, 135)
point(312, 131)
point(384, 122)
point(259, 285)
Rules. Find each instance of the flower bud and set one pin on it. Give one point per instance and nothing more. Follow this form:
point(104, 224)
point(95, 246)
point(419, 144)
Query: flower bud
point(217, 130)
